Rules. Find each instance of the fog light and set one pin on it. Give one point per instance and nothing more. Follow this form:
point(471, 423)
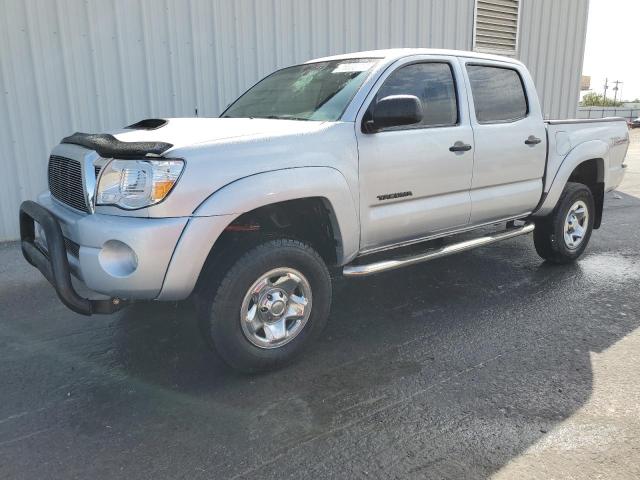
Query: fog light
point(118, 259)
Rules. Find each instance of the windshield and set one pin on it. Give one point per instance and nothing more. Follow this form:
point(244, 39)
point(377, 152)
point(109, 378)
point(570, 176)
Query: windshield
point(313, 91)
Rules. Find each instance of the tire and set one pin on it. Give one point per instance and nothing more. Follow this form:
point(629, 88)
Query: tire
point(297, 274)
point(549, 235)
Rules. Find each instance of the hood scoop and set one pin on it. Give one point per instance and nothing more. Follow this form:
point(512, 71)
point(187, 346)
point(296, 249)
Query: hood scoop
point(148, 124)
point(109, 146)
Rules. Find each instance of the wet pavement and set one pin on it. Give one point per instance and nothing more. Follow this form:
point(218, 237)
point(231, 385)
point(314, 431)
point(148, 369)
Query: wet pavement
point(488, 362)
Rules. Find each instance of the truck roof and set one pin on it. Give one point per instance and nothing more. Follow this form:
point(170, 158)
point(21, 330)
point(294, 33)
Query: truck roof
point(392, 54)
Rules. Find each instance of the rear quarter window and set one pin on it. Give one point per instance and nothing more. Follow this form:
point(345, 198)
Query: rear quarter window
point(498, 94)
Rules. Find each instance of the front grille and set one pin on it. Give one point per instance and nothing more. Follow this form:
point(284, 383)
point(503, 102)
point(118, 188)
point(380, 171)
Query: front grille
point(72, 247)
point(65, 182)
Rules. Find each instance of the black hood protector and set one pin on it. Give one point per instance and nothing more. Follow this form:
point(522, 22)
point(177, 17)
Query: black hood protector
point(109, 146)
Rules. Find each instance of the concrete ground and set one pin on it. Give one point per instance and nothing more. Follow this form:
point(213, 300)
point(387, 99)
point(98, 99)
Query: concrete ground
point(488, 363)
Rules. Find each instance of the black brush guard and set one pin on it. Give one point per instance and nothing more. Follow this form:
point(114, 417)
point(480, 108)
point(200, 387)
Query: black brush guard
point(54, 265)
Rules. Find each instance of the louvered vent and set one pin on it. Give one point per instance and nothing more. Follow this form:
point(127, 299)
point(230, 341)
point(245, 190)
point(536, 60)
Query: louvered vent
point(496, 27)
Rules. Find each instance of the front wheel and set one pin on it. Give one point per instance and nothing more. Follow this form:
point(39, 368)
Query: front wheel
point(563, 235)
point(267, 306)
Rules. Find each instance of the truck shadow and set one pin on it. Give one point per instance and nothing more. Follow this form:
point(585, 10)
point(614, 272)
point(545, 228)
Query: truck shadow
point(447, 370)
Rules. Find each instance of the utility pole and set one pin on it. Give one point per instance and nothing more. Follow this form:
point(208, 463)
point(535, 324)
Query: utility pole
point(615, 89)
point(606, 85)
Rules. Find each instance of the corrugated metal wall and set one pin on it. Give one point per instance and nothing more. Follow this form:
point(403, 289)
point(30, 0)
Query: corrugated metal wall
point(91, 65)
point(552, 39)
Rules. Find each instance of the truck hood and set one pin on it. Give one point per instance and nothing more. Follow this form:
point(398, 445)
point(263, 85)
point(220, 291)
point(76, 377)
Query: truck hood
point(220, 151)
point(183, 132)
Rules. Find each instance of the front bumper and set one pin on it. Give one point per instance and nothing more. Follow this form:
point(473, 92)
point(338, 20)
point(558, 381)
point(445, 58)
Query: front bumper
point(122, 257)
point(118, 256)
point(54, 264)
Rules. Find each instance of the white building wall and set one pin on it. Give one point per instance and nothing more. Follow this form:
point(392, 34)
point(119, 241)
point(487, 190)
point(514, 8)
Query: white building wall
point(92, 65)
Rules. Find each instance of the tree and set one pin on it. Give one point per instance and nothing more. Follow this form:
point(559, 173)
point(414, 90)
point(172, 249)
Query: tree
point(596, 100)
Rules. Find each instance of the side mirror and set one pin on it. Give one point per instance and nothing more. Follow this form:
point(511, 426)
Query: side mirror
point(395, 111)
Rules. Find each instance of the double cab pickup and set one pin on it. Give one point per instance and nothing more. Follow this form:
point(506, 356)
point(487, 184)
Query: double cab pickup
point(352, 164)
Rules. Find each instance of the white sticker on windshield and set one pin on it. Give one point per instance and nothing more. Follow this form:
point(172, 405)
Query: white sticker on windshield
point(352, 67)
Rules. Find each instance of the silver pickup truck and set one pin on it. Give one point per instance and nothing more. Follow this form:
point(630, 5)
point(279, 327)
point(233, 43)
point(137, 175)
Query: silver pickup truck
point(353, 163)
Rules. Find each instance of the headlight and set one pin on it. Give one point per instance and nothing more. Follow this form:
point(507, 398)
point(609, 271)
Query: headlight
point(132, 184)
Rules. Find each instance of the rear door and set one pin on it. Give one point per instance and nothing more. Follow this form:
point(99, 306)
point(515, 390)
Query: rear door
point(411, 184)
point(510, 140)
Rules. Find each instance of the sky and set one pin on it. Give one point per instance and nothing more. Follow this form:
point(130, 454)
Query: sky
point(613, 46)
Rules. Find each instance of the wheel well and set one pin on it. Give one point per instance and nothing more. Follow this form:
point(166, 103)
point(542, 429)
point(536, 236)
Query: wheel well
point(308, 219)
point(311, 220)
point(591, 174)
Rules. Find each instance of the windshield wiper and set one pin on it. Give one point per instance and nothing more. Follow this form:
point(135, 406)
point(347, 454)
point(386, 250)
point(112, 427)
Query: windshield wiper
point(285, 117)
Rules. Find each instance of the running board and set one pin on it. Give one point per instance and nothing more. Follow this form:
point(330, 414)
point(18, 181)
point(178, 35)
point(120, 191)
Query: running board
point(386, 265)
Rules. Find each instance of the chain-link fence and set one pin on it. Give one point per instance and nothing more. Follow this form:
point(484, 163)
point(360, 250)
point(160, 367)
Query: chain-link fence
point(601, 112)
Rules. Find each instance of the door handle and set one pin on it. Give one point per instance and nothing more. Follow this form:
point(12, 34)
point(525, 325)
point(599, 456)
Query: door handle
point(532, 140)
point(459, 147)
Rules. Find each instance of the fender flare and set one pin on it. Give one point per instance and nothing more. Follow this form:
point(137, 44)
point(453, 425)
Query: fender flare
point(591, 150)
point(266, 188)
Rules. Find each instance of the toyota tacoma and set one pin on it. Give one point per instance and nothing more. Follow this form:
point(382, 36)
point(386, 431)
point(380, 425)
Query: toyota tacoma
point(352, 164)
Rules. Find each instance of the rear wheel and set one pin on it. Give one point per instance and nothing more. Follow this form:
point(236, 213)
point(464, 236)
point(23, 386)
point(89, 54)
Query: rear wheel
point(563, 235)
point(268, 305)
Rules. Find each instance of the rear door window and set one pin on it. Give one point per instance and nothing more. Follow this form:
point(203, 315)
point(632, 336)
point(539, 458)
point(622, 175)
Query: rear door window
point(498, 94)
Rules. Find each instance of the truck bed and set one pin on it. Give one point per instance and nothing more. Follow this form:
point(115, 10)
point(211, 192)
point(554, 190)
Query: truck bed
point(608, 135)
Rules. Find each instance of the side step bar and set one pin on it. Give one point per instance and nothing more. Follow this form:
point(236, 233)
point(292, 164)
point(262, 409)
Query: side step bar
point(386, 265)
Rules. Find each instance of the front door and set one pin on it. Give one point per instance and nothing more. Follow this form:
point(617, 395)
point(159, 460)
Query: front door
point(415, 180)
